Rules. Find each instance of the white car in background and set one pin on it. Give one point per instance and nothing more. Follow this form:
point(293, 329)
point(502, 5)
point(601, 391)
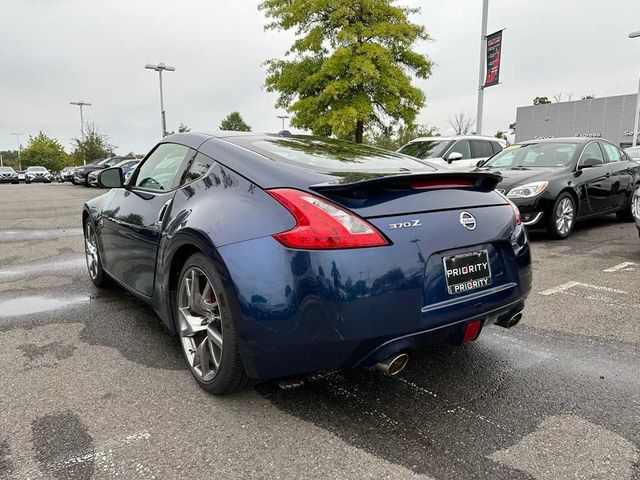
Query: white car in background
point(460, 153)
point(633, 152)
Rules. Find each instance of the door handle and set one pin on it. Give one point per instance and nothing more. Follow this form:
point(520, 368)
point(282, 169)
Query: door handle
point(162, 213)
point(608, 175)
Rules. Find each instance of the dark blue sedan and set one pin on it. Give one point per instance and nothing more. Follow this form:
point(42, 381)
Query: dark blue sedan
point(272, 256)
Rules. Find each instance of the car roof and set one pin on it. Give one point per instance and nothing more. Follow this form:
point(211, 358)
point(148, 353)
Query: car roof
point(459, 137)
point(579, 140)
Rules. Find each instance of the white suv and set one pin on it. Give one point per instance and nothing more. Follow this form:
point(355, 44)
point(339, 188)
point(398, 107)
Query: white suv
point(459, 153)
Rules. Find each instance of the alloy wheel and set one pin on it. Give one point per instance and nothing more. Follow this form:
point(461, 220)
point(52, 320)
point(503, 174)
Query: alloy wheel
point(200, 323)
point(91, 251)
point(565, 214)
point(635, 204)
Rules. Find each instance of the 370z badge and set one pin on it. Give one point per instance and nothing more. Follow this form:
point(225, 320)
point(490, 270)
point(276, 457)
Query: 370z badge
point(409, 224)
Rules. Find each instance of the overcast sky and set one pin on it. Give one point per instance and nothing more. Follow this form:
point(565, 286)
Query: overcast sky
point(54, 52)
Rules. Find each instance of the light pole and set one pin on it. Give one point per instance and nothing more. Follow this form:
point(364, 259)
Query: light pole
point(160, 67)
point(481, 76)
point(637, 115)
point(81, 104)
point(283, 118)
point(18, 135)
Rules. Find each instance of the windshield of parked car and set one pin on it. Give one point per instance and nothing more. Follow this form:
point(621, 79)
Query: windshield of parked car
point(36, 169)
point(534, 155)
point(426, 148)
point(328, 155)
point(6, 169)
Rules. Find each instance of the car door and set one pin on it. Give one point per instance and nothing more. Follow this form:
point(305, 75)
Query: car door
point(131, 227)
point(463, 148)
point(619, 166)
point(480, 150)
point(595, 180)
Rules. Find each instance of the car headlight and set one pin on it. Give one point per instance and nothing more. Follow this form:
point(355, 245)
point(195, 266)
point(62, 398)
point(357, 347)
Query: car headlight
point(528, 191)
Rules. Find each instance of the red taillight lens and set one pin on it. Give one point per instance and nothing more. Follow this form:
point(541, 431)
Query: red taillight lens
point(472, 331)
point(321, 224)
point(436, 184)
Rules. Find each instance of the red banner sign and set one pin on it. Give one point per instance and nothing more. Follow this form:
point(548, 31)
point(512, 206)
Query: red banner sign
point(494, 51)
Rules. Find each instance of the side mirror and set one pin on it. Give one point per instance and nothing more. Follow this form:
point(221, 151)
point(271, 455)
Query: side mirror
point(590, 163)
point(453, 156)
point(111, 178)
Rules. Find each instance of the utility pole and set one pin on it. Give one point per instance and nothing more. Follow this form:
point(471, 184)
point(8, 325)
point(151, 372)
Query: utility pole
point(481, 76)
point(637, 112)
point(81, 104)
point(18, 135)
point(161, 67)
point(283, 118)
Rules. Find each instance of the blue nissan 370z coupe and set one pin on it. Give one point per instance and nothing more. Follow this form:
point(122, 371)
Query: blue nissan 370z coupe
point(276, 255)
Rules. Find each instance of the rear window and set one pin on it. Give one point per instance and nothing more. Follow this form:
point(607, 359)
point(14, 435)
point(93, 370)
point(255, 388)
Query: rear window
point(328, 155)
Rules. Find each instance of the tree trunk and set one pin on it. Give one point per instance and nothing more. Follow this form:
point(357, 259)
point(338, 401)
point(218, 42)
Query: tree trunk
point(359, 132)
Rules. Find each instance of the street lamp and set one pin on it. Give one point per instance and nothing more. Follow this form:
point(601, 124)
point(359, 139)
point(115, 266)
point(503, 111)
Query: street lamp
point(283, 118)
point(160, 67)
point(637, 115)
point(18, 135)
point(81, 104)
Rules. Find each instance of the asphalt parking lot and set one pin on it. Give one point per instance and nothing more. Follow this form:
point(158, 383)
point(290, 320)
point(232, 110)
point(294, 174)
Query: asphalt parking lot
point(92, 386)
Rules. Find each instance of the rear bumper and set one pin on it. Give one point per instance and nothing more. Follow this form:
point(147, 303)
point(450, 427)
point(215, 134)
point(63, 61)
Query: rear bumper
point(302, 311)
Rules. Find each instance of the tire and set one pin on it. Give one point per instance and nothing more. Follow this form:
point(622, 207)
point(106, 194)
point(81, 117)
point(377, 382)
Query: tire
point(565, 207)
point(626, 214)
point(92, 254)
point(217, 341)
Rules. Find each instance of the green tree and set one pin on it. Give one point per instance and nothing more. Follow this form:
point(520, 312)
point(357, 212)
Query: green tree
point(392, 138)
point(93, 146)
point(234, 122)
point(183, 128)
point(44, 151)
point(502, 135)
point(350, 65)
point(10, 158)
point(541, 101)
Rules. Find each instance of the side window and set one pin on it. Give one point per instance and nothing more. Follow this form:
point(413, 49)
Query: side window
point(481, 149)
point(198, 168)
point(162, 170)
point(612, 152)
point(592, 150)
point(461, 146)
point(496, 147)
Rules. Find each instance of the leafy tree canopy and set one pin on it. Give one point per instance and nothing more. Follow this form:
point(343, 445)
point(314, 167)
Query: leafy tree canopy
point(10, 158)
point(541, 100)
point(44, 151)
point(350, 65)
point(234, 122)
point(393, 138)
point(93, 146)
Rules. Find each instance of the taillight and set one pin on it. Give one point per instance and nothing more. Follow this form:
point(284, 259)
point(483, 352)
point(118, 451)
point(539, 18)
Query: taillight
point(516, 212)
point(321, 224)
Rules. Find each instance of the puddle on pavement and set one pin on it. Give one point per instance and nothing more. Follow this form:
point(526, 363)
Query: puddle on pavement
point(7, 236)
point(42, 267)
point(20, 306)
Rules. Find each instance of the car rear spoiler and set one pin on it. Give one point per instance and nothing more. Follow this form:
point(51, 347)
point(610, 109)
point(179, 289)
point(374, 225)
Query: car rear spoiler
point(484, 181)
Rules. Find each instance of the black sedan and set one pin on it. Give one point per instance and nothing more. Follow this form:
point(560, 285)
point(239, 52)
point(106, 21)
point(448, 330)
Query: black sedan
point(8, 175)
point(81, 174)
point(555, 182)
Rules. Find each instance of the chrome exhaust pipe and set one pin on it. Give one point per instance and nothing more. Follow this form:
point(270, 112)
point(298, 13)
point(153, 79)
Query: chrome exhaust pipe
point(511, 322)
point(394, 364)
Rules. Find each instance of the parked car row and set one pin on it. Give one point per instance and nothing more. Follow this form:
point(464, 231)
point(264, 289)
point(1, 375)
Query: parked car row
point(30, 175)
point(87, 175)
point(554, 182)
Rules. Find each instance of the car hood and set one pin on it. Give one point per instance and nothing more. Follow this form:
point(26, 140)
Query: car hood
point(512, 177)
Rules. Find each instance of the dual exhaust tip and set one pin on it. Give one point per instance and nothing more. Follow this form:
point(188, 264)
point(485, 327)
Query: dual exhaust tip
point(393, 365)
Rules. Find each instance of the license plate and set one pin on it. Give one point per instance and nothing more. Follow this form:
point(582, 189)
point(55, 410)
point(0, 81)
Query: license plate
point(467, 271)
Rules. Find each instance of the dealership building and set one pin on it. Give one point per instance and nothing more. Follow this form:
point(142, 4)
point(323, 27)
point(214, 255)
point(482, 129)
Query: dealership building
point(611, 118)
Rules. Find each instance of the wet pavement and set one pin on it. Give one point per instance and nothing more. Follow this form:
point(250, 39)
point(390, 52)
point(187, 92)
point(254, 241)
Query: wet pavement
point(93, 388)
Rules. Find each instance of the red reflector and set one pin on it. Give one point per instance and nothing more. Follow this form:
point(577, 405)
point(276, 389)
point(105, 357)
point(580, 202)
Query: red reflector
point(472, 331)
point(321, 224)
point(441, 183)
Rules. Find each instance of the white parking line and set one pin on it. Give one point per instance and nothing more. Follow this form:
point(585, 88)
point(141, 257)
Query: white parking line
point(568, 285)
point(625, 267)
